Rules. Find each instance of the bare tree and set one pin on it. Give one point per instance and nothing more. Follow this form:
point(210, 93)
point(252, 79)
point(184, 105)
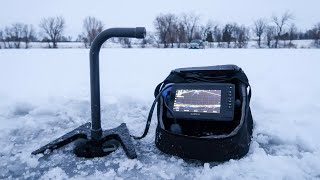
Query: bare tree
point(7, 37)
point(53, 27)
point(173, 25)
point(92, 27)
point(190, 22)
point(227, 34)
point(28, 34)
point(270, 33)
point(149, 39)
point(217, 34)
point(241, 35)
point(153, 38)
point(293, 34)
point(125, 42)
point(17, 34)
point(210, 33)
point(181, 34)
point(316, 34)
point(259, 29)
point(13, 35)
point(198, 33)
point(280, 22)
point(205, 29)
point(210, 39)
point(1, 38)
point(161, 27)
point(166, 25)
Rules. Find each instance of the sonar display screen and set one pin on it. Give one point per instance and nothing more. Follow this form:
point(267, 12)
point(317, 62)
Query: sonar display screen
point(197, 100)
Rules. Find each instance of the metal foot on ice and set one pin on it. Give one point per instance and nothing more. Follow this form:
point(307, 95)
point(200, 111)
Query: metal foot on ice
point(90, 148)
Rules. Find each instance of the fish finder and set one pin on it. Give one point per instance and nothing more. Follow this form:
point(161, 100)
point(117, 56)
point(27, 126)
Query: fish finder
point(202, 101)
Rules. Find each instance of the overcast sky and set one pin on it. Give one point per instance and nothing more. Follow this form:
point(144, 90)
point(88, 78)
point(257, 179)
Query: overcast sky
point(132, 13)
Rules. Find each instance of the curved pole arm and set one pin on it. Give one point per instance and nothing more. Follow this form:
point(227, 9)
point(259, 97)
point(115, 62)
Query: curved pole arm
point(138, 32)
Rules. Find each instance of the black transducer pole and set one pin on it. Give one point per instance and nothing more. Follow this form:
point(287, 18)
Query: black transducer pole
point(138, 32)
point(90, 140)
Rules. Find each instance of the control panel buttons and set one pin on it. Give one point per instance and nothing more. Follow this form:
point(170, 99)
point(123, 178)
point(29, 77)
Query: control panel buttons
point(229, 97)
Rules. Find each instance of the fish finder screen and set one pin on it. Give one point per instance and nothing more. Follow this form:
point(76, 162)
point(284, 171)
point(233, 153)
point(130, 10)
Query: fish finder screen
point(197, 100)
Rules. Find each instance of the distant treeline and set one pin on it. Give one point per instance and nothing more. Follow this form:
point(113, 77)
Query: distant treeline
point(171, 31)
point(174, 29)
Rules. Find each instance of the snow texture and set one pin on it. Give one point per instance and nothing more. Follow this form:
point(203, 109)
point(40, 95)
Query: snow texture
point(45, 93)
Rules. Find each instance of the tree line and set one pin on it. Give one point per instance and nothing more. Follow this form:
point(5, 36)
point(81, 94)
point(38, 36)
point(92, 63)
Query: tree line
point(51, 31)
point(171, 31)
point(178, 30)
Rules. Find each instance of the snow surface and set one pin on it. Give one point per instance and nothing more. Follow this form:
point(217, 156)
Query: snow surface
point(44, 93)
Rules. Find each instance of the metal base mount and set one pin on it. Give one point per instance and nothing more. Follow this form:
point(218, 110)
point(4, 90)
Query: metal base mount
point(90, 148)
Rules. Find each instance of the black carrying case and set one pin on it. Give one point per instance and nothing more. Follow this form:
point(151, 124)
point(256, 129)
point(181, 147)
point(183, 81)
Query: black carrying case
point(231, 141)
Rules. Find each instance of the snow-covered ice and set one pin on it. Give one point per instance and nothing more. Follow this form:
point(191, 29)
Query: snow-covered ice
point(44, 94)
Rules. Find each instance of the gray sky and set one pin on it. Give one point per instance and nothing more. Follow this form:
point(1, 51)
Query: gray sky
point(129, 13)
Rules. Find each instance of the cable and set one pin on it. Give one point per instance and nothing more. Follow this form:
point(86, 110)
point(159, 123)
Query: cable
point(150, 115)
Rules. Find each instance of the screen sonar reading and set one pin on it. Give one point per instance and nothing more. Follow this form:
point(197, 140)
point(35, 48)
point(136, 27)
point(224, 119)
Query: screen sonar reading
point(197, 100)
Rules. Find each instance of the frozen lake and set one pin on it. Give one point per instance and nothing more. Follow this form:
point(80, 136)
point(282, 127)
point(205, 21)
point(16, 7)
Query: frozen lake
point(45, 93)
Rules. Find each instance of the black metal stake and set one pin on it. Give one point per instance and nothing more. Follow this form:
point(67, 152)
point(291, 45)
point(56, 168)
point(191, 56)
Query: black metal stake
point(94, 144)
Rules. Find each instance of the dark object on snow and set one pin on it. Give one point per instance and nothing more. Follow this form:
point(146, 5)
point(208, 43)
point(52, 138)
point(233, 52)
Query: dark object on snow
point(196, 44)
point(208, 140)
point(190, 135)
point(92, 140)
